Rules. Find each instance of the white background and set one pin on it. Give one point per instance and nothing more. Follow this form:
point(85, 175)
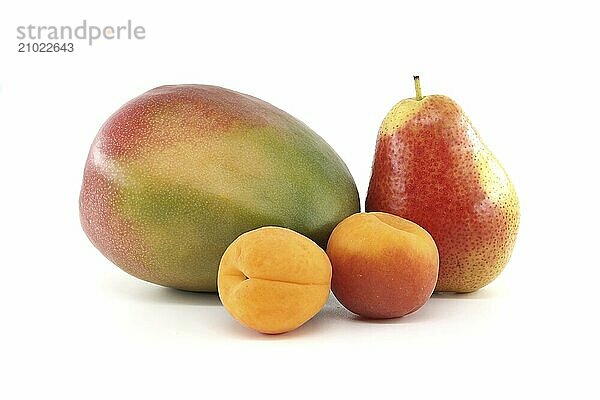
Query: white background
point(75, 326)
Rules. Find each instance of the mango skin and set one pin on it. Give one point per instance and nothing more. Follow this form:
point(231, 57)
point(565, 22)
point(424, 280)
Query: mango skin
point(432, 167)
point(273, 279)
point(384, 266)
point(176, 174)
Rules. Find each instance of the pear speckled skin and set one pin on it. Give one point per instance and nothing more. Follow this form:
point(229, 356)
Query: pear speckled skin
point(432, 168)
point(176, 174)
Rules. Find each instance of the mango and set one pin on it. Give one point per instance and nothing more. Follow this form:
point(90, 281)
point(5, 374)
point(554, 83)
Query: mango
point(384, 266)
point(273, 279)
point(178, 173)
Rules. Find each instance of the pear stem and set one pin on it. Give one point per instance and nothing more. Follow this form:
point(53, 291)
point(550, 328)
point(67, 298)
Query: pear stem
point(418, 87)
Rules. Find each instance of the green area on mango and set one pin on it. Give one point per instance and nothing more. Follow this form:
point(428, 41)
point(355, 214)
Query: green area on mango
point(190, 201)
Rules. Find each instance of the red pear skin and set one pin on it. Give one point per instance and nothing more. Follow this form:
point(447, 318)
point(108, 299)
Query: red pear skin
point(432, 168)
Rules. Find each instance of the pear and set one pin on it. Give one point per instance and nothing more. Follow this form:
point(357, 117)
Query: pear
point(432, 167)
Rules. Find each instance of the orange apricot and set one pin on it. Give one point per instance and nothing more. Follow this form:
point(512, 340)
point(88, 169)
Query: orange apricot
point(384, 266)
point(273, 279)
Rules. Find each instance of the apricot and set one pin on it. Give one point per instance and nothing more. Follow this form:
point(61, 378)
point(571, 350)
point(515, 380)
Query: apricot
point(273, 279)
point(384, 266)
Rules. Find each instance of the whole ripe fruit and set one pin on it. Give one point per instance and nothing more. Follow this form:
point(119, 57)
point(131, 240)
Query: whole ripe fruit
point(176, 174)
point(432, 167)
point(273, 279)
point(384, 266)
